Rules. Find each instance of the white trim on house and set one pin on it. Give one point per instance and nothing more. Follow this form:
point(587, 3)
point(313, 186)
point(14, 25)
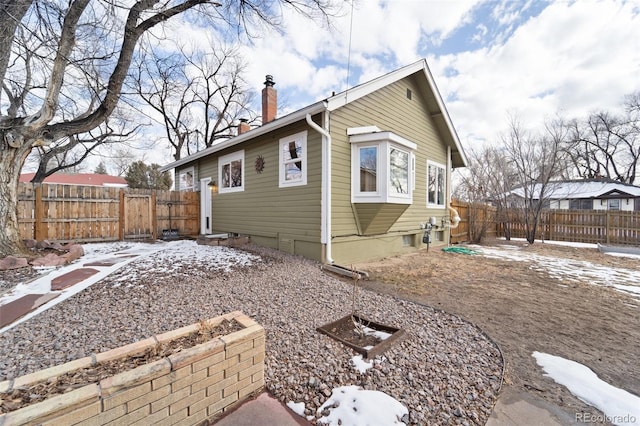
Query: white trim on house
point(384, 143)
point(443, 168)
point(360, 130)
point(325, 199)
point(284, 181)
point(225, 187)
point(187, 179)
point(206, 221)
point(377, 136)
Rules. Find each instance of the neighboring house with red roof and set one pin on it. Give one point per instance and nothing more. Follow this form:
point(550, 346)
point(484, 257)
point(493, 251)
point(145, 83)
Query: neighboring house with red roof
point(88, 179)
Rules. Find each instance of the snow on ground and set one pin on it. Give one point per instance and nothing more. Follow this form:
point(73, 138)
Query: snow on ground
point(351, 405)
point(619, 406)
point(382, 335)
point(181, 258)
point(297, 407)
point(176, 257)
point(360, 364)
point(624, 280)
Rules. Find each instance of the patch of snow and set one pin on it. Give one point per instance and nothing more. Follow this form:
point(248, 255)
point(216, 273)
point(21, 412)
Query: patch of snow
point(631, 255)
point(360, 364)
point(635, 290)
point(571, 269)
point(351, 405)
point(297, 407)
point(619, 406)
point(177, 257)
point(382, 335)
point(558, 243)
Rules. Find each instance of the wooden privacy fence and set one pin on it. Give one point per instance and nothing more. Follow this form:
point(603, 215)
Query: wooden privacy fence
point(92, 213)
point(585, 226)
point(475, 219)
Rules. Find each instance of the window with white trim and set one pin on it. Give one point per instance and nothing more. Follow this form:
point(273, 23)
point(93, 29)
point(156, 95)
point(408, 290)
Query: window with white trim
point(231, 172)
point(293, 160)
point(187, 180)
point(436, 178)
point(382, 168)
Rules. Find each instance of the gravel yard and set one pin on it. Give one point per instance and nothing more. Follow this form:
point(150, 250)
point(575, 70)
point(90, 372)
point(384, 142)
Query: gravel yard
point(446, 371)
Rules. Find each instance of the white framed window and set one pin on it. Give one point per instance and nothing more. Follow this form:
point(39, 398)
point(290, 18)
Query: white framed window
point(613, 204)
point(436, 178)
point(293, 160)
point(187, 179)
point(382, 169)
point(231, 172)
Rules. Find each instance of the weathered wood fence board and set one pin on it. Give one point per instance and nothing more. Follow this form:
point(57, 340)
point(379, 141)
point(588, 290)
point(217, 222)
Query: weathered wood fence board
point(586, 226)
point(91, 213)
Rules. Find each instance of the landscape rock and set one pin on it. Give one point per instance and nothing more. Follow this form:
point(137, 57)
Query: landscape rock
point(50, 259)
point(42, 245)
point(75, 251)
point(29, 243)
point(12, 262)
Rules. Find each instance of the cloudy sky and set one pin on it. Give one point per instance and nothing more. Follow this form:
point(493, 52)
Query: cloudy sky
point(489, 58)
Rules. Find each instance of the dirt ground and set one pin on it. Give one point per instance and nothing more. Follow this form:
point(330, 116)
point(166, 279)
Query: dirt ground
point(525, 310)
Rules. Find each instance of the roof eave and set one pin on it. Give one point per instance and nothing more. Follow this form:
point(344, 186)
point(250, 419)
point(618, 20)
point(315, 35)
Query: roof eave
point(441, 116)
point(253, 133)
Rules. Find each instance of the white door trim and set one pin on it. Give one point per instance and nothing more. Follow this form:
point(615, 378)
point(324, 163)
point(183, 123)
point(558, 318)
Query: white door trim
point(206, 219)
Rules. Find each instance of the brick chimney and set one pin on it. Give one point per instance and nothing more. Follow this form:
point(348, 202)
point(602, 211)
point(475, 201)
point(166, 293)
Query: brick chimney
point(243, 127)
point(269, 100)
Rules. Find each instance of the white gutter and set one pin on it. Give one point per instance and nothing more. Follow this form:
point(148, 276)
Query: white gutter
point(325, 220)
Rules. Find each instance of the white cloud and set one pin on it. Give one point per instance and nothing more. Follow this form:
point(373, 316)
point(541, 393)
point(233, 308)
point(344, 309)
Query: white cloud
point(573, 57)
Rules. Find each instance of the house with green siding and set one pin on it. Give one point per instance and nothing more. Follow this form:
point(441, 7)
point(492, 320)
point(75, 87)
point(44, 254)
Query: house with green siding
point(351, 178)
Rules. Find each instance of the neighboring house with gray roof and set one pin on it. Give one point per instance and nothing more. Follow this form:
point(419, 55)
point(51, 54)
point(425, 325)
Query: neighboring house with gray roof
point(590, 194)
point(346, 179)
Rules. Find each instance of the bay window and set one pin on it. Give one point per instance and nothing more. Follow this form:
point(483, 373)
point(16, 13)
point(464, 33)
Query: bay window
point(382, 168)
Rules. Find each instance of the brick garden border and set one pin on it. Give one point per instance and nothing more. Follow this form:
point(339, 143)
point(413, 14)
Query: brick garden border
point(183, 389)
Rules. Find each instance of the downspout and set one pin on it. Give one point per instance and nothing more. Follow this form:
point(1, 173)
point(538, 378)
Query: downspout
point(325, 220)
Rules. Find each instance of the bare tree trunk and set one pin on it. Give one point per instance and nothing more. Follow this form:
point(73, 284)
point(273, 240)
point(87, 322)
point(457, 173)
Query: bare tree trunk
point(10, 164)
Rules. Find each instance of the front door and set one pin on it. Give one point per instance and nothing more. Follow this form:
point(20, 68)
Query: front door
point(205, 207)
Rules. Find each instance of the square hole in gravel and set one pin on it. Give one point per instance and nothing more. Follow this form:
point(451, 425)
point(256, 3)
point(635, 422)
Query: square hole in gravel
point(375, 339)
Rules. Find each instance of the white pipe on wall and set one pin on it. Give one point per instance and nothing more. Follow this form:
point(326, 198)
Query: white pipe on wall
point(325, 233)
